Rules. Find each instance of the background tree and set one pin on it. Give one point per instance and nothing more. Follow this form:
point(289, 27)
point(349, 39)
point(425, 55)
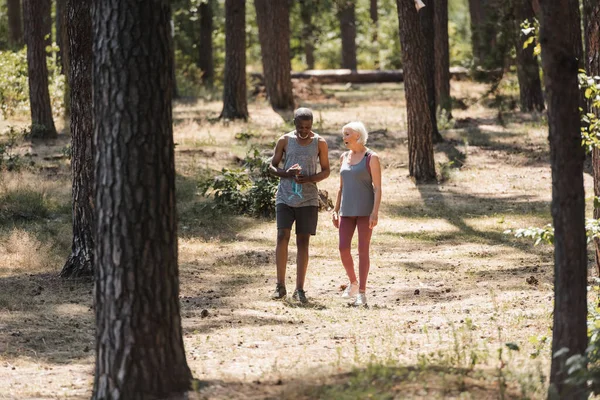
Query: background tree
point(347, 17)
point(486, 26)
point(205, 54)
point(308, 31)
point(442, 56)
point(421, 164)
point(139, 346)
point(42, 124)
point(560, 65)
point(79, 25)
point(273, 19)
point(61, 32)
point(426, 22)
point(14, 22)
point(235, 103)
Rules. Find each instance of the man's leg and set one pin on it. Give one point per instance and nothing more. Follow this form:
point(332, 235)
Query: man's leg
point(281, 254)
point(302, 241)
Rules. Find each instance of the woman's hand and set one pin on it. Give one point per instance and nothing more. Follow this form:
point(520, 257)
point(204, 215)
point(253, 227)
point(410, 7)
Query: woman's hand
point(335, 218)
point(372, 221)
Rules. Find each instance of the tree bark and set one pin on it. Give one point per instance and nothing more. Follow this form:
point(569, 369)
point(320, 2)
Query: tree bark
point(235, 103)
point(347, 17)
point(139, 346)
point(273, 19)
point(42, 124)
point(14, 23)
point(560, 65)
point(61, 40)
point(308, 39)
point(528, 70)
point(442, 57)
point(79, 26)
point(374, 14)
point(205, 56)
point(420, 148)
point(426, 18)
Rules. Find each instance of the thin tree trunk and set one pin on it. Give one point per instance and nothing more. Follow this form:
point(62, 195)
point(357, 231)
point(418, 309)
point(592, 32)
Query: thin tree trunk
point(78, 15)
point(46, 11)
point(235, 103)
point(42, 124)
point(374, 14)
point(60, 32)
point(421, 164)
point(442, 57)
point(560, 64)
point(477, 18)
point(139, 346)
point(346, 14)
point(426, 17)
point(306, 12)
point(14, 23)
point(273, 19)
point(205, 56)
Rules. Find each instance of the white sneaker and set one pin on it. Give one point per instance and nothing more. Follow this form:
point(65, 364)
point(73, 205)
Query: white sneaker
point(361, 300)
point(350, 291)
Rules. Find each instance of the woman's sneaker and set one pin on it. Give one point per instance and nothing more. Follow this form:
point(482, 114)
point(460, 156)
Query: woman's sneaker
point(279, 292)
point(350, 291)
point(360, 301)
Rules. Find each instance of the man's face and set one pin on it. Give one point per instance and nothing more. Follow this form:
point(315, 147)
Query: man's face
point(303, 126)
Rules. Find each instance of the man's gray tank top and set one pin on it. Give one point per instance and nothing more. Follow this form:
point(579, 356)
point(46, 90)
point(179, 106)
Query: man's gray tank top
point(357, 188)
point(308, 158)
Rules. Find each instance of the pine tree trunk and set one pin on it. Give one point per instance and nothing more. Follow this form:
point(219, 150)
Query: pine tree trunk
point(426, 17)
point(60, 32)
point(205, 56)
point(306, 12)
point(273, 19)
point(374, 14)
point(235, 103)
point(139, 346)
point(14, 23)
point(528, 71)
point(46, 11)
point(42, 124)
point(560, 65)
point(420, 148)
point(346, 15)
point(78, 15)
point(442, 57)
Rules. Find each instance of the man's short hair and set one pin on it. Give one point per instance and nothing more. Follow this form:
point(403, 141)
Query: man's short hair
point(304, 114)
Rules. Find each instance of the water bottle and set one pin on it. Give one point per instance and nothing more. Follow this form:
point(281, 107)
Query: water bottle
point(297, 188)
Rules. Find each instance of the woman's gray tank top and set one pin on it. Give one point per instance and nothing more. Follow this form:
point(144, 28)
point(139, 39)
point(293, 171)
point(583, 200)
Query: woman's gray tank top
point(308, 158)
point(357, 189)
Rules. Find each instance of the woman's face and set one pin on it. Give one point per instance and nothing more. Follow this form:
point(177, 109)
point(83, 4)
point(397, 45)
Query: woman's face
point(350, 137)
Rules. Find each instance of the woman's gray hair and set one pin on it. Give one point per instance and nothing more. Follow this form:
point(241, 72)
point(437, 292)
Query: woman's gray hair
point(358, 127)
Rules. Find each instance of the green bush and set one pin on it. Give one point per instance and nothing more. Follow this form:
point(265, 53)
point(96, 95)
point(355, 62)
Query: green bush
point(14, 87)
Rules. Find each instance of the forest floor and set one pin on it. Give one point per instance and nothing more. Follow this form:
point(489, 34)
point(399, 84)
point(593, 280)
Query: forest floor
point(448, 289)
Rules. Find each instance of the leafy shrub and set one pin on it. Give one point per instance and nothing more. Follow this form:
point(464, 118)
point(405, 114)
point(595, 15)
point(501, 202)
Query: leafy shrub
point(14, 87)
point(9, 160)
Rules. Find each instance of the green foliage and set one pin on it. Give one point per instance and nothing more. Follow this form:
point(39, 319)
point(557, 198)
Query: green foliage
point(545, 234)
point(531, 30)
point(590, 127)
point(9, 159)
point(459, 33)
point(249, 191)
point(14, 87)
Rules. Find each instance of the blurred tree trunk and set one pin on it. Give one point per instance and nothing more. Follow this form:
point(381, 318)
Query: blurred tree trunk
point(14, 23)
point(420, 148)
point(46, 11)
point(308, 29)
point(560, 65)
point(273, 19)
point(374, 14)
point(427, 27)
point(485, 16)
point(528, 70)
point(174, 64)
point(42, 124)
point(139, 345)
point(442, 57)
point(78, 15)
point(205, 55)
point(235, 103)
point(347, 17)
point(61, 41)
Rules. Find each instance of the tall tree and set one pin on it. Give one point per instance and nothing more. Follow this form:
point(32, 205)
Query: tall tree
point(61, 39)
point(205, 55)
point(528, 70)
point(442, 56)
point(42, 124)
point(139, 346)
point(78, 15)
point(273, 19)
point(347, 17)
point(421, 164)
point(488, 53)
point(14, 22)
point(235, 103)
point(374, 14)
point(308, 31)
point(560, 65)
point(427, 27)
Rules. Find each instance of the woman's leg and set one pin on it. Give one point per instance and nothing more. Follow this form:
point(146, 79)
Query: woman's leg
point(347, 227)
point(364, 242)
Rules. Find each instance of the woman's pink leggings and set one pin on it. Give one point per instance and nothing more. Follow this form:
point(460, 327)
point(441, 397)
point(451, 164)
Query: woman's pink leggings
point(347, 227)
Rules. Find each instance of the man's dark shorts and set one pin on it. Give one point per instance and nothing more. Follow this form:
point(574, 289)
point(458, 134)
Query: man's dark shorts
point(306, 218)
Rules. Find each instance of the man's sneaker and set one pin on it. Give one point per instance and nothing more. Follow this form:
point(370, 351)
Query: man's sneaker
point(350, 291)
point(360, 301)
point(279, 292)
point(300, 295)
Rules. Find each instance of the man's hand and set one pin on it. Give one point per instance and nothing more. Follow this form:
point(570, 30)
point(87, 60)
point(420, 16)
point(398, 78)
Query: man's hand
point(294, 170)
